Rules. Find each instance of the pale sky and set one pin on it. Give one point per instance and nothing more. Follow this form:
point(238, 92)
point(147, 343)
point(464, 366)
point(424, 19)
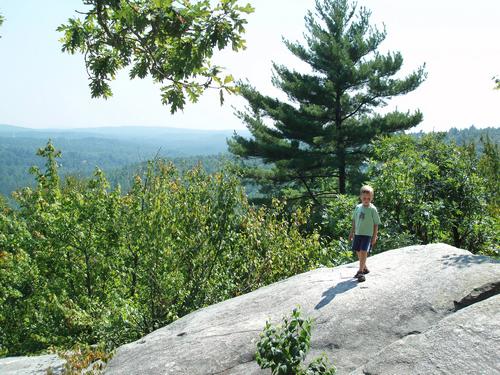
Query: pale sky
point(458, 40)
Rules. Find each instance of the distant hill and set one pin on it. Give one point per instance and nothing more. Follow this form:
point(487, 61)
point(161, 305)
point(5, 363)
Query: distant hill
point(110, 148)
point(172, 141)
point(470, 135)
point(121, 151)
point(473, 134)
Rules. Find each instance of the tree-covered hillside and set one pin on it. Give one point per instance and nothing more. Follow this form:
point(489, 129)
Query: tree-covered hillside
point(470, 135)
point(122, 151)
point(112, 149)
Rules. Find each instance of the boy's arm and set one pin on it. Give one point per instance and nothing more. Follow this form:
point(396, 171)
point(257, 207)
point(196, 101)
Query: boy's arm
point(375, 233)
point(353, 228)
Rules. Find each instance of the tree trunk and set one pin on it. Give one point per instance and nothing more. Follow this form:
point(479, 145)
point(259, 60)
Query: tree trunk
point(342, 170)
point(340, 145)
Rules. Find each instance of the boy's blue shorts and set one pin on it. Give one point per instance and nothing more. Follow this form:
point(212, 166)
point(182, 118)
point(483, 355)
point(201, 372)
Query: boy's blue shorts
point(361, 242)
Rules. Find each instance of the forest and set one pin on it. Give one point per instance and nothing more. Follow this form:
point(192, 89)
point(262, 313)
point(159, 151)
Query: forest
point(122, 152)
point(112, 149)
point(106, 253)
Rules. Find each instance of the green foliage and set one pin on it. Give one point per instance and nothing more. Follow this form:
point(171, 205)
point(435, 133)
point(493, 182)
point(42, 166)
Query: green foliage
point(121, 153)
point(335, 221)
point(337, 216)
point(322, 133)
point(489, 169)
point(119, 156)
point(283, 348)
point(470, 135)
point(19, 283)
point(430, 191)
point(84, 263)
point(173, 41)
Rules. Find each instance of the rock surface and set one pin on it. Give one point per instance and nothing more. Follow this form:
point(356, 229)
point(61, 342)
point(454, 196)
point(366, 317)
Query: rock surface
point(38, 365)
point(468, 340)
point(412, 297)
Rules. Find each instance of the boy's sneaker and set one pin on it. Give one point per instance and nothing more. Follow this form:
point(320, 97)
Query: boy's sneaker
point(365, 271)
point(358, 274)
point(361, 278)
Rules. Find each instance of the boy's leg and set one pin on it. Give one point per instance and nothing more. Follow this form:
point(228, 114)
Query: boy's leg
point(362, 255)
point(358, 253)
point(362, 263)
point(366, 249)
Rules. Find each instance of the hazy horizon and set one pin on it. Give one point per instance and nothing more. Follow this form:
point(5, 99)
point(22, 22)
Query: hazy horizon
point(242, 131)
point(117, 126)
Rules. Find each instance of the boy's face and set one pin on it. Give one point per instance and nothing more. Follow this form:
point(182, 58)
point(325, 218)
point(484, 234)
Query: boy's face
point(366, 198)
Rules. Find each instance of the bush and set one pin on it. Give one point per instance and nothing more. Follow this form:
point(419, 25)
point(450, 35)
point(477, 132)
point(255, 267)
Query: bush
point(430, 191)
point(82, 263)
point(283, 348)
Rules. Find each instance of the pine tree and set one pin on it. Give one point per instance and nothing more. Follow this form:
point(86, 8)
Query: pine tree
point(323, 132)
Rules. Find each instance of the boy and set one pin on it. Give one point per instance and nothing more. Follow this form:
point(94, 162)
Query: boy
point(365, 222)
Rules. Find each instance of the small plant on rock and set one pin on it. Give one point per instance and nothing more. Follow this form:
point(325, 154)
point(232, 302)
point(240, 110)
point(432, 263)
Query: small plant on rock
point(283, 348)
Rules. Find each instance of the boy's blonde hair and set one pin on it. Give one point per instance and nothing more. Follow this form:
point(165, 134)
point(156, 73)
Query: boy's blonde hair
point(366, 189)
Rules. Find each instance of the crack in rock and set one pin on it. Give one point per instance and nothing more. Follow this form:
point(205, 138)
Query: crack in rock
point(198, 338)
point(413, 333)
point(478, 294)
point(236, 365)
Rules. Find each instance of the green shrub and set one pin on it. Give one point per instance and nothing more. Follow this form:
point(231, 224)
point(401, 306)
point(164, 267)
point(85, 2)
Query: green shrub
point(431, 191)
point(283, 348)
point(81, 263)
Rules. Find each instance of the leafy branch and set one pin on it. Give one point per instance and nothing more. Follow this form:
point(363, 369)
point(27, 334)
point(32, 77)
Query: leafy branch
point(172, 41)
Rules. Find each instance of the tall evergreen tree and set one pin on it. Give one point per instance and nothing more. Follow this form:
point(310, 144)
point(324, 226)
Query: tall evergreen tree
point(322, 132)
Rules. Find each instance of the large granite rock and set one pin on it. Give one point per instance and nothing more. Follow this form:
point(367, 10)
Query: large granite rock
point(466, 342)
point(418, 310)
point(37, 365)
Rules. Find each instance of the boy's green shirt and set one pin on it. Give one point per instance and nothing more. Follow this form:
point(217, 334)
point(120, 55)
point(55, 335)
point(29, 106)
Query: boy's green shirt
point(364, 219)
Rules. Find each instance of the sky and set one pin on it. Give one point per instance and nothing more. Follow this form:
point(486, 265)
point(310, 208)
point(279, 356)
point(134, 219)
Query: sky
point(41, 87)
